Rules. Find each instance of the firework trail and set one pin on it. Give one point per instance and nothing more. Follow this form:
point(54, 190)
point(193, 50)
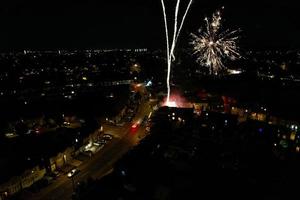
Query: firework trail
point(170, 51)
point(213, 45)
point(175, 31)
point(183, 19)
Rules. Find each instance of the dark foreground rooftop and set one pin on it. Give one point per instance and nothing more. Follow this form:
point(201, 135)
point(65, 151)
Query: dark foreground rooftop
point(196, 157)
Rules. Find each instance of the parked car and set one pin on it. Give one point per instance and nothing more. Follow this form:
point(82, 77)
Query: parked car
point(73, 172)
point(102, 141)
point(107, 137)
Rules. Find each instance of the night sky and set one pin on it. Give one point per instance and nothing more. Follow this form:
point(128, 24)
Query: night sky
point(137, 23)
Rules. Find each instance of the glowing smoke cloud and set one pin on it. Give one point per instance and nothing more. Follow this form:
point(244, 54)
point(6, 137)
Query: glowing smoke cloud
point(177, 100)
point(170, 51)
point(212, 45)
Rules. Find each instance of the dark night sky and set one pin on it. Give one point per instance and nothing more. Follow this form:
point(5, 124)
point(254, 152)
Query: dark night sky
point(136, 23)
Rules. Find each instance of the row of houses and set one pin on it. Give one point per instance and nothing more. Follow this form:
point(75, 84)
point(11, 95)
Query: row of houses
point(39, 171)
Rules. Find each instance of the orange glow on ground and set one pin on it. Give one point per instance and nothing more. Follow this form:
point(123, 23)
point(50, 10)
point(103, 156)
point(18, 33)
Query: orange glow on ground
point(177, 101)
point(171, 104)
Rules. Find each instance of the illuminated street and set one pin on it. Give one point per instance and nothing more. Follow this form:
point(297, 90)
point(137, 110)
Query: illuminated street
point(102, 162)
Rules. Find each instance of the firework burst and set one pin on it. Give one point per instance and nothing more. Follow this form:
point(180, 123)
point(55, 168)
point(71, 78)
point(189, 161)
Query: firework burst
point(212, 45)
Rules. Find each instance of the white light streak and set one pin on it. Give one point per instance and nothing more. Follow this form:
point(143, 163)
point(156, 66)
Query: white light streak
point(183, 19)
point(170, 51)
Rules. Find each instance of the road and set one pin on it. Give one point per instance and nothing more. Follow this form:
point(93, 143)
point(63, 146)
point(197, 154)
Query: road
point(100, 163)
